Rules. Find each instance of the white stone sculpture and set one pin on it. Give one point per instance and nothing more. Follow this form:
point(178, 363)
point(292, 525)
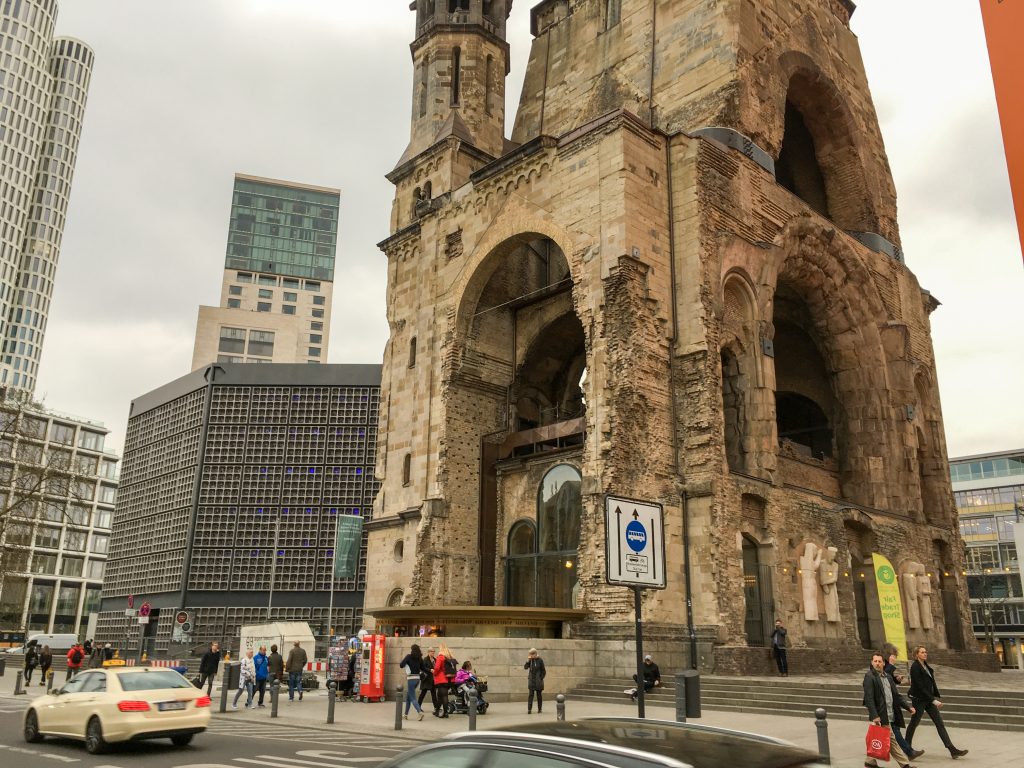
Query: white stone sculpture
point(924, 595)
point(828, 576)
point(809, 562)
point(910, 605)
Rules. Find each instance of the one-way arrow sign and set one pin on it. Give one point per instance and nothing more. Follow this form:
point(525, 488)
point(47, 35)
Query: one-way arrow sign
point(635, 543)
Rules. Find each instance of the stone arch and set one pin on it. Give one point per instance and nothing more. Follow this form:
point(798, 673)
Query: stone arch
point(823, 291)
point(740, 373)
point(822, 162)
point(547, 380)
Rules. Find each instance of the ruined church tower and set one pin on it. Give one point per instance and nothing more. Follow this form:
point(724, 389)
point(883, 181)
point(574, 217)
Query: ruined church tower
point(679, 280)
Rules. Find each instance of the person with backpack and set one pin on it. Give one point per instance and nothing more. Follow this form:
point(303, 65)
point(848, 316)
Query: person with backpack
point(45, 662)
point(31, 662)
point(75, 658)
point(445, 669)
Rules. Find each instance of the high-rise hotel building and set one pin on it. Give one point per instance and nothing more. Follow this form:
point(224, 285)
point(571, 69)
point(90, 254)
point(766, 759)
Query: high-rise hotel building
point(275, 304)
point(44, 81)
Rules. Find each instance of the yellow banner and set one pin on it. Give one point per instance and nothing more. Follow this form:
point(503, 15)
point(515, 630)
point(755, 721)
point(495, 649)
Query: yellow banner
point(890, 603)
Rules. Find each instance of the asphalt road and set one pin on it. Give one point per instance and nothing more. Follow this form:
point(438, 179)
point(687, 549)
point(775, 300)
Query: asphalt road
point(226, 744)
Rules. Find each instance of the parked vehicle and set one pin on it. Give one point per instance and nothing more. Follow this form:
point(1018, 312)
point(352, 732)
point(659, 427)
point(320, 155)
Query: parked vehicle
point(58, 642)
point(102, 706)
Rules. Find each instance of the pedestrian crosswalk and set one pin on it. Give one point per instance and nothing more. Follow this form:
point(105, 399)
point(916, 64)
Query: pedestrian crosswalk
point(305, 735)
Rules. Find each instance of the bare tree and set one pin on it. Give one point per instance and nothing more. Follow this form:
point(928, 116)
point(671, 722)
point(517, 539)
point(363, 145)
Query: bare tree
point(37, 484)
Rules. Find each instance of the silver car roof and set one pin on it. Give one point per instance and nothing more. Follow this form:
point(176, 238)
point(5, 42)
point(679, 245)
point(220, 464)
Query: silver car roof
point(572, 746)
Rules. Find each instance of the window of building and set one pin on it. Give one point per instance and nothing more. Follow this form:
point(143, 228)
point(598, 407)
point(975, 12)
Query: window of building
point(456, 75)
point(261, 343)
point(290, 296)
point(316, 326)
point(287, 309)
point(48, 537)
point(244, 277)
point(412, 352)
point(108, 494)
point(235, 290)
point(318, 313)
point(320, 300)
point(234, 303)
point(85, 490)
point(290, 282)
point(33, 427)
point(267, 280)
point(86, 465)
point(62, 433)
point(94, 570)
point(314, 352)
point(100, 544)
point(103, 518)
point(263, 306)
point(108, 469)
point(232, 340)
point(266, 293)
point(982, 558)
point(613, 13)
point(230, 359)
point(407, 469)
point(72, 566)
point(42, 596)
point(315, 338)
point(312, 285)
point(92, 441)
point(67, 600)
point(79, 514)
point(74, 541)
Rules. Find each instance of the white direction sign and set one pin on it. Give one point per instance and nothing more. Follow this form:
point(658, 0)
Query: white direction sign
point(634, 543)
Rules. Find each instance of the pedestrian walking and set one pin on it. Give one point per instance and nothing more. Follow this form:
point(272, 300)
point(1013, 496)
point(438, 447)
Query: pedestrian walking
point(779, 648)
point(445, 669)
point(246, 680)
point(45, 662)
point(535, 673)
point(262, 665)
point(87, 648)
point(883, 701)
point(898, 724)
point(208, 666)
point(75, 658)
point(31, 662)
point(348, 681)
point(412, 665)
point(427, 678)
point(924, 693)
point(295, 666)
point(275, 665)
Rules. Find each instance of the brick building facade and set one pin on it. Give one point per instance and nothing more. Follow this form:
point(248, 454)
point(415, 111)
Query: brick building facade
point(681, 280)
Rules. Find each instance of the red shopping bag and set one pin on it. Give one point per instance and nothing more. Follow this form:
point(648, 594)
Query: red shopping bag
point(877, 741)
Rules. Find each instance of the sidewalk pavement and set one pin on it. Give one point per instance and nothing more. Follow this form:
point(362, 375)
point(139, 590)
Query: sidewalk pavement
point(846, 737)
point(950, 678)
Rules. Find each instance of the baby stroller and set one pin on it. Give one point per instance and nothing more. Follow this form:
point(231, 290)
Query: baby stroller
point(459, 704)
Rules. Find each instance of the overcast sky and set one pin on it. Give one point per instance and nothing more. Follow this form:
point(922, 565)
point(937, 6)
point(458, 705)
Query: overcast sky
point(186, 93)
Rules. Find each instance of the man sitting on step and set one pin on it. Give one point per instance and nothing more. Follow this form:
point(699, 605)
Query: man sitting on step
point(652, 677)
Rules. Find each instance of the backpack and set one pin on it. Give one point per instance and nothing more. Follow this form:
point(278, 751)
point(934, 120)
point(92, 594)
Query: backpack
point(76, 657)
point(451, 667)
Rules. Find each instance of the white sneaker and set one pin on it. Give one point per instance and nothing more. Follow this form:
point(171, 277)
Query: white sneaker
point(234, 706)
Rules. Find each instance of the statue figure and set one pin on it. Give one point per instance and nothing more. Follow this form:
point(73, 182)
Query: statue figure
point(809, 562)
point(924, 594)
point(828, 576)
point(910, 605)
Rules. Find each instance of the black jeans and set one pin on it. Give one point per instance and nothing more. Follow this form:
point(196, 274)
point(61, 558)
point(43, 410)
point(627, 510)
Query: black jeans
point(440, 693)
point(540, 700)
point(648, 684)
point(261, 688)
point(28, 673)
point(933, 713)
point(780, 660)
point(207, 680)
point(426, 687)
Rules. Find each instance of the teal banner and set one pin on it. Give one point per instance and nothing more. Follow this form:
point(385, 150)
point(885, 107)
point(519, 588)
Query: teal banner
point(346, 547)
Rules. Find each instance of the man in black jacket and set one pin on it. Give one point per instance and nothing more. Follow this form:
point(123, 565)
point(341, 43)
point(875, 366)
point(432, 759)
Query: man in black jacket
point(208, 667)
point(883, 701)
point(925, 695)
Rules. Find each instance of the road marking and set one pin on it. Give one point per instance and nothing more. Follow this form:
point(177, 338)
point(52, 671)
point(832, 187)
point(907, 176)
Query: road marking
point(37, 753)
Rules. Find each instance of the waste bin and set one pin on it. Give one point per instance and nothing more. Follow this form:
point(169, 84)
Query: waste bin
point(3, 666)
point(232, 674)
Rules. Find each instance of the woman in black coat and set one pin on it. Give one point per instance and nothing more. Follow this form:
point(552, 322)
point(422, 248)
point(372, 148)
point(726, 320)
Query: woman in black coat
point(925, 695)
point(535, 680)
point(427, 679)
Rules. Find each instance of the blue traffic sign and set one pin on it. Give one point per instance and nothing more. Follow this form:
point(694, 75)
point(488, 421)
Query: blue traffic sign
point(636, 536)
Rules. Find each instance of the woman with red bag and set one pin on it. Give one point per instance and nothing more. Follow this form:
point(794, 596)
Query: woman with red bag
point(882, 700)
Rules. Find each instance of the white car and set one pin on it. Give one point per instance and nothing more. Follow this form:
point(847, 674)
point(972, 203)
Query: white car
point(102, 706)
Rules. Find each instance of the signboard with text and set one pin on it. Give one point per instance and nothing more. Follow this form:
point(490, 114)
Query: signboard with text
point(634, 543)
point(890, 603)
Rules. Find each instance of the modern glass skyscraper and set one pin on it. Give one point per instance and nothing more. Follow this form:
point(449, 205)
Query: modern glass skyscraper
point(44, 82)
point(278, 276)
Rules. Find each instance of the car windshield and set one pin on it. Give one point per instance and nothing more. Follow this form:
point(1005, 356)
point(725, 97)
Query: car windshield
point(701, 747)
point(152, 680)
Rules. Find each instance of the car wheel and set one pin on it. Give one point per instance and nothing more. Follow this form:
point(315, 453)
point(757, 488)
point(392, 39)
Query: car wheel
point(182, 740)
point(32, 734)
point(94, 743)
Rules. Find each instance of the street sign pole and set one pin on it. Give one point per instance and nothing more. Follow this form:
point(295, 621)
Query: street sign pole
point(639, 654)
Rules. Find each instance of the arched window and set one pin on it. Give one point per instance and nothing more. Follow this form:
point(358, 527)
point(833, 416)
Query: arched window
point(487, 83)
point(456, 74)
point(547, 554)
point(797, 169)
point(395, 598)
point(407, 469)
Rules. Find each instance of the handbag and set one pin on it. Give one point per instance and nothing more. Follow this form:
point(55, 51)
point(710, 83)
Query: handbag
point(878, 741)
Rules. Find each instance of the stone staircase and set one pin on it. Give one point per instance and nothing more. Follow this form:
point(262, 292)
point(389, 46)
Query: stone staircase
point(995, 710)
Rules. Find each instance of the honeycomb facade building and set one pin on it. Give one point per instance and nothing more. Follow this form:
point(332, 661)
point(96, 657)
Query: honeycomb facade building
point(233, 482)
point(679, 281)
point(44, 84)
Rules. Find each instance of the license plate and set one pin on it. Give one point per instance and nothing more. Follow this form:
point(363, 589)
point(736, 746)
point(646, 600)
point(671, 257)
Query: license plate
point(170, 706)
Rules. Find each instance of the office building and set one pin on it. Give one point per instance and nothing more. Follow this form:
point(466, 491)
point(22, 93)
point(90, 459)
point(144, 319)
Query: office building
point(989, 493)
point(234, 479)
point(275, 304)
point(44, 81)
point(59, 486)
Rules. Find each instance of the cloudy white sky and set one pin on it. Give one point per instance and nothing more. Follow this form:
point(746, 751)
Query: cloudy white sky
point(186, 93)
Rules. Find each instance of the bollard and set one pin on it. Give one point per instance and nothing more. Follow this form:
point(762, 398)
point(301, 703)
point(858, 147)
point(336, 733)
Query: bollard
point(399, 695)
point(49, 681)
point(821, 723)
point(275, 693)
point(692, 677)
point(559, 707)
point(331, 686)
point(18, 680)
point(224, 692)
point(471, 703)
point(680, 697)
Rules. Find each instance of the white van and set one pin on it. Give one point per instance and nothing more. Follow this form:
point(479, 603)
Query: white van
point(59, 644)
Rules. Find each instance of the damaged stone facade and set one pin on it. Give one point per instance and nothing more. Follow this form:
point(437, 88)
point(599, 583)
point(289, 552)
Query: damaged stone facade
point(679, 281)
